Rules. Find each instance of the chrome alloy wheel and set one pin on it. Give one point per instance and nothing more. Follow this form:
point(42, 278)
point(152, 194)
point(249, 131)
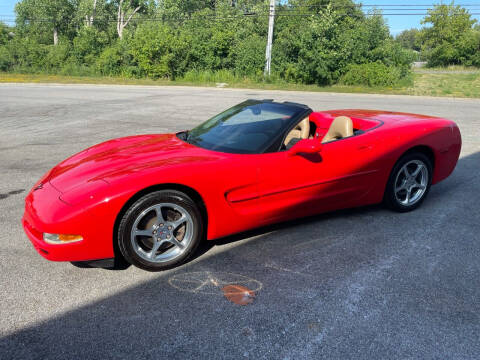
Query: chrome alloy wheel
point(411, 182)
point(162, 232)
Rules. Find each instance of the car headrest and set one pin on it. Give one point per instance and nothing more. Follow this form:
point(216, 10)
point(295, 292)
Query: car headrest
point(340, 128)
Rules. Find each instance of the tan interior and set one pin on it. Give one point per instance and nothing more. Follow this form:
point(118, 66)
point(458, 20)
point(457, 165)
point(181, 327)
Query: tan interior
point(301, 131)
point(341, 127)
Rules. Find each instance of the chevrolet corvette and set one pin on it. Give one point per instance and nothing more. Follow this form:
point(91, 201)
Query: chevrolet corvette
point(149, 200)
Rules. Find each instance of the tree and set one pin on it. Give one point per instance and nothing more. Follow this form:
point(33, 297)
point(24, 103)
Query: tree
point(87, 9)
point(54, 16)
point(126, 11)
point(207, 39)
point(98, 13)
point(449, 39)
point(409, 39)
point(448, 22)
point(4, 31)
point(159, 51)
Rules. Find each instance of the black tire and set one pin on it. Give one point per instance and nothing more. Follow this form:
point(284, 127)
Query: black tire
point(390, 198)
point(117, 263)
point(135, 211)
point(81, 264)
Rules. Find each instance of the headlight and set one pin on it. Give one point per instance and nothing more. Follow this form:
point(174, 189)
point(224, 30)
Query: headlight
point(61, 238)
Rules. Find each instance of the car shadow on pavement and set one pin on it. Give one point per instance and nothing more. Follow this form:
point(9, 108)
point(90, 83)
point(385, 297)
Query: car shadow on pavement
point(207, 245)
point(363, 283)
point(471, 162)
point(13, 192)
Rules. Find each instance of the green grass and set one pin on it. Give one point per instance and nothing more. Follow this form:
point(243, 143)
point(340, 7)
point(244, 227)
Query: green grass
point(452, 84)
point(449, 69)
point(447, 84)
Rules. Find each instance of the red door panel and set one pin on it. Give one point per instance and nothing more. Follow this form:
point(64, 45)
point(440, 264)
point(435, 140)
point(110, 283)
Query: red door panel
point(340, 176)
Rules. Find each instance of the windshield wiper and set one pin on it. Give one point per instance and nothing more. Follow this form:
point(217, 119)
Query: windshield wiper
point(191, 139)
point(183, 135)
point(187, 137)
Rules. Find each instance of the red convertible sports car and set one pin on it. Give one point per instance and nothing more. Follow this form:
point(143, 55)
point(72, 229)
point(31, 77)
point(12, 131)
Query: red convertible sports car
point(149, 200)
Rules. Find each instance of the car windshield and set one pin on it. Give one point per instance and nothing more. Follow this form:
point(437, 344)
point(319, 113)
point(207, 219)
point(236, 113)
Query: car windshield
point(248, 128)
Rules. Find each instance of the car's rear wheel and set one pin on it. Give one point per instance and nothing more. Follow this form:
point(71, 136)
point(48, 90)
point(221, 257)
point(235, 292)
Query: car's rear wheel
point(409, 182)
point(160, 230)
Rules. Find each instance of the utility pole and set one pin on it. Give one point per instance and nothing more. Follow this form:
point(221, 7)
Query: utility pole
point(268, 52)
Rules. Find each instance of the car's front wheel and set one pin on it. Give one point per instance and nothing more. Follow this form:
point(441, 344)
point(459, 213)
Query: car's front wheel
point(409, 182)
point(160, 230)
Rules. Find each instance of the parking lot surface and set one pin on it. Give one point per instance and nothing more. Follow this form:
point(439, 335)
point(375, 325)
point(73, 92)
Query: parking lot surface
point(364, 283)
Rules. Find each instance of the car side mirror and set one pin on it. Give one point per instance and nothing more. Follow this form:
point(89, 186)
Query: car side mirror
point(306, 146)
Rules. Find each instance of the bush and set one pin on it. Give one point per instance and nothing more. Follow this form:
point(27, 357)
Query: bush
point(372, 74)
point(71, 68)
point(3, 34)
point(158, 51)
point(476, 59)
point(468, 48)
point(116, 60)
point(452, 38)
point(249, 55)
point(28, 54)
point(310, 50)
point(6, 59)
point(88, 44)
point(392, 54)
point(56, 57)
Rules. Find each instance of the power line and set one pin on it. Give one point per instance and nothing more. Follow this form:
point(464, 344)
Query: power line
point(381, 7)
point(279, 12)
point(389, 8)
point(372, 5)
point(371, 14)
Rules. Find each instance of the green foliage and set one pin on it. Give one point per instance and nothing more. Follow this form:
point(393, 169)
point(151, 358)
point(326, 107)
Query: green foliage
point(447, 23)
point(321, 49)
point(410, 39)
point(207, 76)
point(203, 40)
point(451, 39)
point(88, 44)
point(311, 52)
point(159, 51)
point(372, 74)
point(40, 18)
point(249, 55)
point(474, 46)
point(211, 43)
point(103, 14)
point(6, 59)
point(4, 30)
point(115, 61)
point(28, 55)
point(55, 57)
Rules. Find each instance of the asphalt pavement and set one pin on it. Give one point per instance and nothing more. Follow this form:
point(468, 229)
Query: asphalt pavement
point(361, 284)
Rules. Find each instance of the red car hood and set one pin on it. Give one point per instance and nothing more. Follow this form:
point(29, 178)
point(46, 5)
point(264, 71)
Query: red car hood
point(124, 156)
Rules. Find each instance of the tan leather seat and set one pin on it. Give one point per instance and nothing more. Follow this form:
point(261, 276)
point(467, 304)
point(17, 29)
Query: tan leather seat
point(340, 128)
point(301, 131)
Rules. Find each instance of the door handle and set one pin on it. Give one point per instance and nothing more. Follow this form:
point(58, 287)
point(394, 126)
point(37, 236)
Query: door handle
point(365, 147)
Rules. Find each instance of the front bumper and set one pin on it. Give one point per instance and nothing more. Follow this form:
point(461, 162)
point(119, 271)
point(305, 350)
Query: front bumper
point(46, 213)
